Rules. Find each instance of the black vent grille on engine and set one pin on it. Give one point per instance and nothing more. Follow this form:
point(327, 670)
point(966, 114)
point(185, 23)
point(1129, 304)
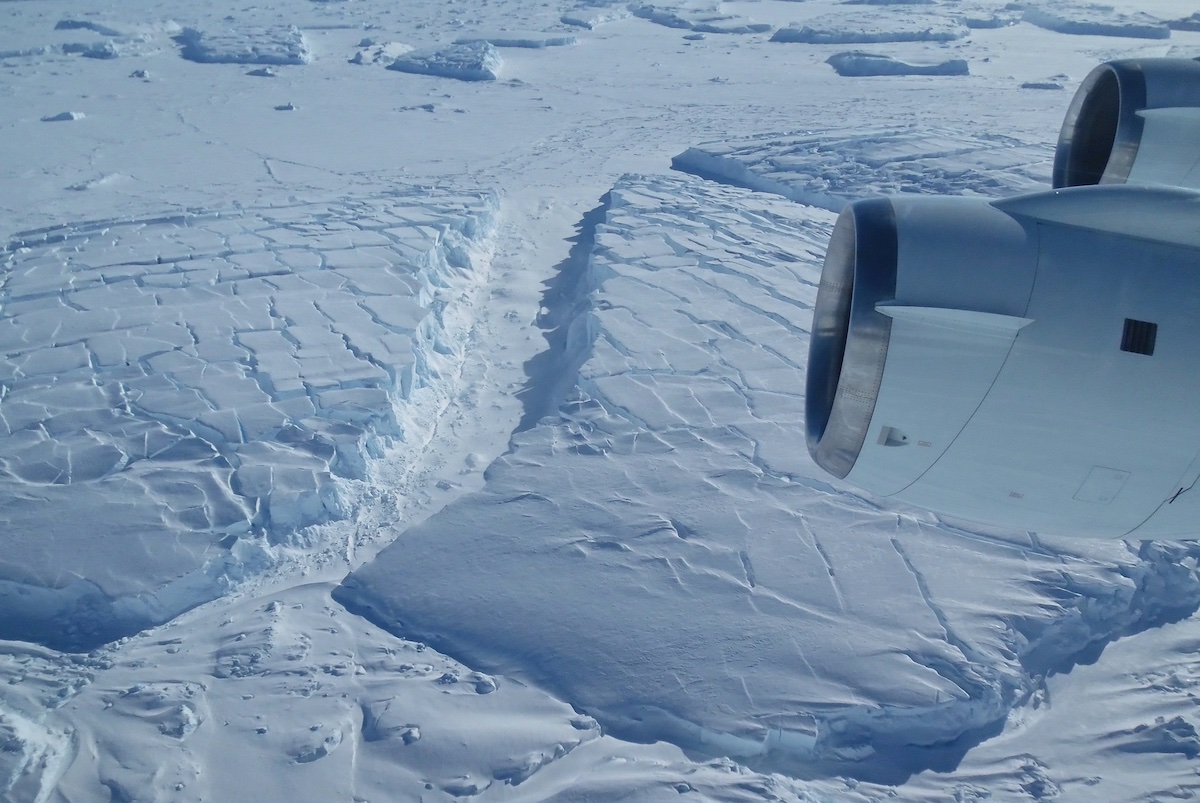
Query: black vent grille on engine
point(1139, 336)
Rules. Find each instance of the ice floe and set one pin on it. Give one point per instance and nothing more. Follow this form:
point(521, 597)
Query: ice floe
point(1096, 20)
point(858, 63)
point(828, 169)
point(176, 384)
point(1054, 85)
point(702, 21)
point(593, 15)
point(477, 61)
point(868, 28)
point(63, 117)
point(277, 45)
point(531, 41)
point(120, 40)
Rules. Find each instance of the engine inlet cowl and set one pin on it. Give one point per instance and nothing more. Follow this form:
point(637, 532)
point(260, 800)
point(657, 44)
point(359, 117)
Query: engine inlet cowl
point(849, 343)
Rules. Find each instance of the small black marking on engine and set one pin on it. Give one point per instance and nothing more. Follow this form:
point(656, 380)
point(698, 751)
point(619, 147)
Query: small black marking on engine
point(1139, 337)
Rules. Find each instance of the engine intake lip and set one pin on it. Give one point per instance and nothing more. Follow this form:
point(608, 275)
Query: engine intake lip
point(849, 342)
point(1101, 132)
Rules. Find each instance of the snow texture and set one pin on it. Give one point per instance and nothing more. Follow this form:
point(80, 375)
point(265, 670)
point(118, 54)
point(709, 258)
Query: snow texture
point(675, 472)
point(352, 702)
point(829, 169)
point(174, 385)
point(858, 63)
point(476, 61)
point(278, 45)
point(1096, 20)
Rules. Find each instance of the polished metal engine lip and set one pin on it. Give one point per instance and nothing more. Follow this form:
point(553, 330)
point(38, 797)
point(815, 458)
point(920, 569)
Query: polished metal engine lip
point(1101, 132)
point(849, 342)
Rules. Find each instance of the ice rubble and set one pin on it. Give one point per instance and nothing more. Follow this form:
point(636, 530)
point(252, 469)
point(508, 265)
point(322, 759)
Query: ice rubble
point(283, 44)
point(872, 28)
point(175, 387)
point(857, 63)
point(372, 52)
point(831, 168)
point(476, 61)
point(1096, 20)
point(659, 556)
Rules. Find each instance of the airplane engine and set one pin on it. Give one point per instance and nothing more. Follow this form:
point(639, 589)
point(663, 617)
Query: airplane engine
point(1032, 362)
point(1133, 122)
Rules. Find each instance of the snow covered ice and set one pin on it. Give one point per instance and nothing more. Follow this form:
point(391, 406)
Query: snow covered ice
point(857, 63)
point(265, 46)
point(1097, 20)
point(201, 378)
point(472, 60)
point(830, 168)
point(872, 28)
point(443, 437)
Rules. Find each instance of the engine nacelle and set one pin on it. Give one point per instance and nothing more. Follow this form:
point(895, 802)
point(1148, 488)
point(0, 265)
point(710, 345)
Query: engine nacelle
point(1032, 362)
point(1133, 122)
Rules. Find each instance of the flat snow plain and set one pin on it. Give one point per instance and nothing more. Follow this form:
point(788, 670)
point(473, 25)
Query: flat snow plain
point(406, 403)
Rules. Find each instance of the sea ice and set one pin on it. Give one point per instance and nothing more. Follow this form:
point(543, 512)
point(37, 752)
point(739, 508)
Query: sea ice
point(830, 168)
point(534, 41)
point(371, 52)
point(864, 28)
point(169, 383)
point(87, 25)
point(698, 20)
point(63, 117)
point(277, 45)
point(291, 687)
point(1096, 20)
point(1188, 23)
point(477, 61)
point(858, 63)
point(593, 15)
